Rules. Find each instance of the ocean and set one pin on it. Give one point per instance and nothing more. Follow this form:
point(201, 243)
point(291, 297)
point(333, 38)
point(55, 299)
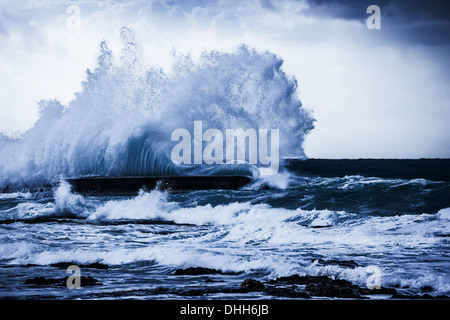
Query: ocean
point(317, 229)
point(204, 244)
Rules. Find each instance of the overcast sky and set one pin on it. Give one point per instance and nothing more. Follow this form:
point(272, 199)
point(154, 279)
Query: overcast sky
point(374, 93)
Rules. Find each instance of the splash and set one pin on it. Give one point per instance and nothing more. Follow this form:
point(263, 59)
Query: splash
point(121, 121)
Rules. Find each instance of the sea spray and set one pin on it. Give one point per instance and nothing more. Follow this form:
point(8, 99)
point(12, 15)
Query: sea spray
point(68, 203)
point(121, 121)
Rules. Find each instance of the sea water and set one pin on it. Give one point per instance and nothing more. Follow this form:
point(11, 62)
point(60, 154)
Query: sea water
point(339, 223)
point(265, 230)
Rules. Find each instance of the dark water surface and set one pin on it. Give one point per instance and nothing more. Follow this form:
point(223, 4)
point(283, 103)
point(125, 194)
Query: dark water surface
point(320, 217)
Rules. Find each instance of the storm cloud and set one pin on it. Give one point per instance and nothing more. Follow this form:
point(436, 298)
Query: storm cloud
point(413, 21)
point(374, 93)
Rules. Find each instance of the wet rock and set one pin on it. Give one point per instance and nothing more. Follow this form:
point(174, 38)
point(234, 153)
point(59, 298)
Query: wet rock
point(249, 285)
point(419, 297)
point(333, 288)
point(341, 263)
point(42, 281)
point(294, 279)
point(426, 289)
point(322, 286)
point(197, 271)
point(286, 292)
point(382, 290)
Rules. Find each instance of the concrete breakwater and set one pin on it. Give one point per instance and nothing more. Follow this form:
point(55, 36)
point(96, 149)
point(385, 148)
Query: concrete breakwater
point(35, 193)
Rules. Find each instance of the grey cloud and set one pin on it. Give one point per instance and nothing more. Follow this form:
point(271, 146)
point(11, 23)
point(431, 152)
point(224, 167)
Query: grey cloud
point(3, 21)
point(267, 4)
point(401, 11)
point(410, 21)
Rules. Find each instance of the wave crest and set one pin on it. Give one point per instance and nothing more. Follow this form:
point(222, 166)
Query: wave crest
point(120, 123)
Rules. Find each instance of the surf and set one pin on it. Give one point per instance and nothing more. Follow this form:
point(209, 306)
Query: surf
point(120, 123)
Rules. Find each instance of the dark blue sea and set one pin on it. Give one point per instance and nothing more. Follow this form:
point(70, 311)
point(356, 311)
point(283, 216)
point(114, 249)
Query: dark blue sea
point(337, 218)
point(329, 223)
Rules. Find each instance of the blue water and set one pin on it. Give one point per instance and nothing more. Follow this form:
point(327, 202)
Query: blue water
point(120, 123)
point(274, 227)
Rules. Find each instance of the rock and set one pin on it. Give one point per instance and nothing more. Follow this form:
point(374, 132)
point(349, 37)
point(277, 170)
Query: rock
point(294, 279)
point(382, 290)
point(419, 297)
point(426, 289)
point(86, 281)
point(249, 285)
point(333, 288)
point(286, 292)
point(341, 263)
point(42, 281)
point(322, 286)
point(197, 271)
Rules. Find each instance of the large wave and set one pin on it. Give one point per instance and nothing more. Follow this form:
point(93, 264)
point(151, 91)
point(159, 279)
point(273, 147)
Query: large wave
point(121, 121)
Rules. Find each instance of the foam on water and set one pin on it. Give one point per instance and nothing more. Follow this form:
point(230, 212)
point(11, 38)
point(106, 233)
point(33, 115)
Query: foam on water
point(249, 222)
point(239, 237)
point(15, 195)
point(244, 231)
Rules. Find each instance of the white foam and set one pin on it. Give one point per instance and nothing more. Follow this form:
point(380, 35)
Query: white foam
point(144, 206)
point(280, 180)
point(444, 214)
point(121, 121)
point(31, 210)
point(66, 201)
point(15, 195)
point(260, 222)
point(241, 236)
